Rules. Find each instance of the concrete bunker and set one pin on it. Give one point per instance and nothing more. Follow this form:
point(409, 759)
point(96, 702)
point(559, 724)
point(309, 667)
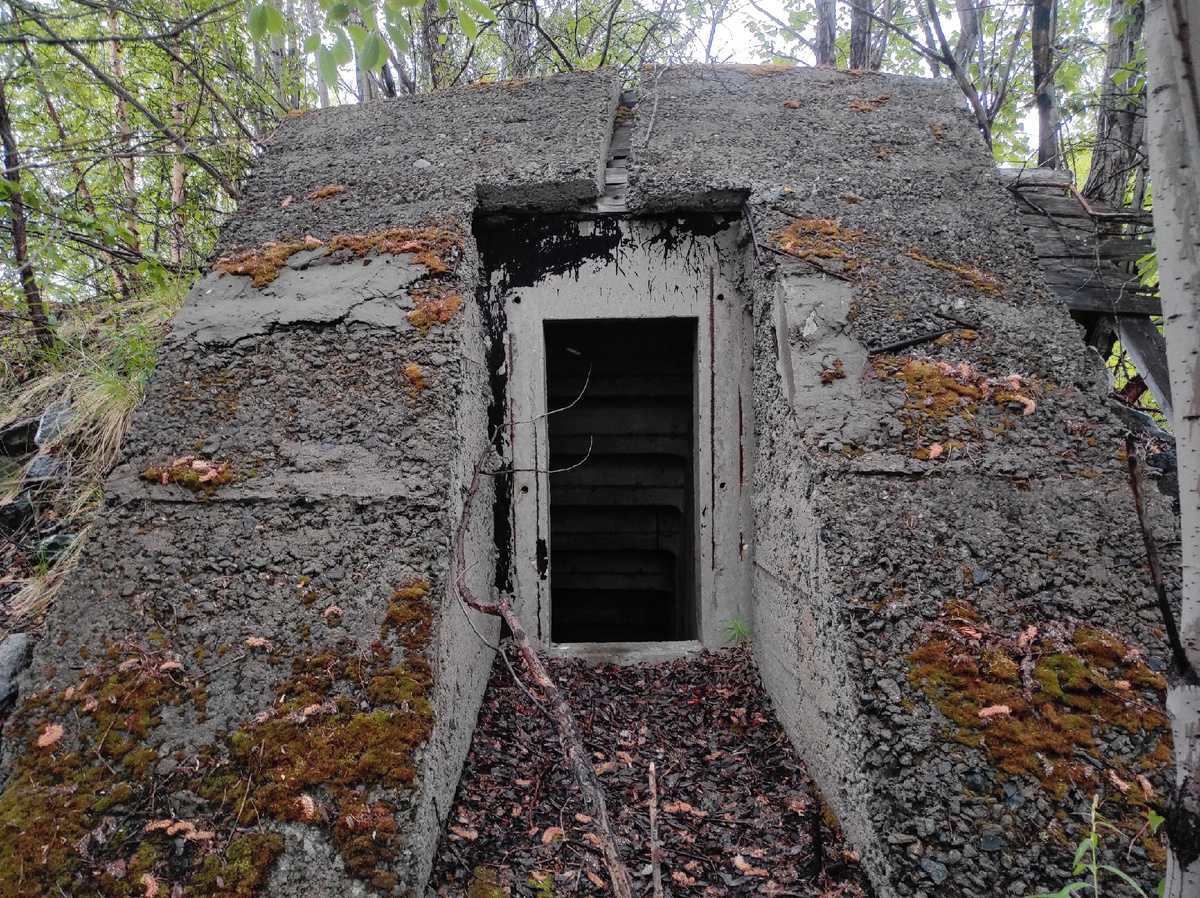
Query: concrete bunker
point(866, 525)
point(624, 366)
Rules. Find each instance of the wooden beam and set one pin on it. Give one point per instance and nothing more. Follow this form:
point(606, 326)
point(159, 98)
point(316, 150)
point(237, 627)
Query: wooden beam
point(1108, 300)
point(1148, 349)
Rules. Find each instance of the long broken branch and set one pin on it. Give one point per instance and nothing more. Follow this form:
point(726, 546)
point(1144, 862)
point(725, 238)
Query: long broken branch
point(1182, 665)
point(569, 735)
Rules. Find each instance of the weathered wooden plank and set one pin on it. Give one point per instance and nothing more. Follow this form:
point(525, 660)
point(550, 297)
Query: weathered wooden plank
point(1148, 349)
point(1041, 177)
point(1056, 205)
point(1112, 302)
point(1108, 278)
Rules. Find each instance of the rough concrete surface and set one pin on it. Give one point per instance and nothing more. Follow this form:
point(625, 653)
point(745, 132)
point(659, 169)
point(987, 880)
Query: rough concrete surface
point(910, 521)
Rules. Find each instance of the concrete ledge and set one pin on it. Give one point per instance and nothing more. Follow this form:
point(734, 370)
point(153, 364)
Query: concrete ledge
point(624, 653)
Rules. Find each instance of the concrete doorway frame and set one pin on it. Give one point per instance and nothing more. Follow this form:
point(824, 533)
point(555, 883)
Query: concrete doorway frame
point(671, 267)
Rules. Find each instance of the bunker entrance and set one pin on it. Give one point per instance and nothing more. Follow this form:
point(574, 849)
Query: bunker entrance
point(622, 462)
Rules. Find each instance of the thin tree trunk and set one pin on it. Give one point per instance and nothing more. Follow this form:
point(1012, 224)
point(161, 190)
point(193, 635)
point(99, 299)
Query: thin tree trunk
point(178, 238)
point(970, 24)
point(879, 45)
point(826, 32)
point(1042, 37)
point(34, 303)
point(860, 33)
point(125, 135)
point(1120, 135)
point(1173, 132)
point(434, 51)
point(935, 70)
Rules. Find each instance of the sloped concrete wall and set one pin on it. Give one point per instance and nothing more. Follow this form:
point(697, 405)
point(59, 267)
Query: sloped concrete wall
point(872, 546)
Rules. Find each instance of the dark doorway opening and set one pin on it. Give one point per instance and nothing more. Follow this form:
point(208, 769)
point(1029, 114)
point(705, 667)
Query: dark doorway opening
point(621, 482)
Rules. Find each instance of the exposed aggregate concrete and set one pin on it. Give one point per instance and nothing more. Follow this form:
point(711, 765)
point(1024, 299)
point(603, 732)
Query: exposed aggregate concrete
point(349, 476)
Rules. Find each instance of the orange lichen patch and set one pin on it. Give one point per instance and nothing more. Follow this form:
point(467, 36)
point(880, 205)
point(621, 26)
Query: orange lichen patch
point(1034, 701)
point(263, 264)
point(884, 152)
point(432, 310)
point(490, 82)
point(791, 104)
point(324, 193)
point(196, 474)
point(416, 379)
point(837, 372)
point(860, 104)
point(939, 132)
point(938, 391)
point(819, 238)
point(972, 276)
point(432, 246)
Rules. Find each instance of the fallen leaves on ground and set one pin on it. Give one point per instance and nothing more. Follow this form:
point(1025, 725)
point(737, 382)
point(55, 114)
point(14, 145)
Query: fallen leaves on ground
point(733, 795)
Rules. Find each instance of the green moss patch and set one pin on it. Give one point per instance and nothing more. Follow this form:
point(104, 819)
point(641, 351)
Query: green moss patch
point(1038, 703)
point(342, 727)
point(88, 809)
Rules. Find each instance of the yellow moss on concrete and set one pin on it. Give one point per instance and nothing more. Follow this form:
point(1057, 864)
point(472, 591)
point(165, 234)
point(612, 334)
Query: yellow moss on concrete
point(431, 246)
point(1035, 700)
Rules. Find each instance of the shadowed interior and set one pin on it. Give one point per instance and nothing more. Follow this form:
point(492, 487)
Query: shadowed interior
point(621, 457)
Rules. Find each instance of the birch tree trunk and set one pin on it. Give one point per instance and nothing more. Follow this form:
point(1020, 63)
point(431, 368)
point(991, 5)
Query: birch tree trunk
point(128, 163)
point(1173, 131)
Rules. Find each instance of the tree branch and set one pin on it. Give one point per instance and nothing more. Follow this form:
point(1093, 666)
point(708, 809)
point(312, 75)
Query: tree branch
point(228, 186)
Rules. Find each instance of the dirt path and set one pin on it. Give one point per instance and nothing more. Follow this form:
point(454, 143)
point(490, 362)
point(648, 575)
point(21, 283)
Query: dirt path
point(734, 800)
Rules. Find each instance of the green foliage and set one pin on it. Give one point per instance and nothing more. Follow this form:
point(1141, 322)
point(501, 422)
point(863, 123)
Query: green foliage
point(737, 633)
point(1087, 858)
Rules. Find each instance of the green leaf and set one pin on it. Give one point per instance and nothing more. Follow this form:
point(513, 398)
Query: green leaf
point(343, 53)
point(311, 43)
point(256, 22)
point(337, 14)
point(467, 24)
point(366, 9)
point(399, 35)
point(8, 188)
point(373, 54)
point(327, 65)
point(275, 21)
point(480, 9)
point(1153, 818)
point(443, 7)
point(358, 34)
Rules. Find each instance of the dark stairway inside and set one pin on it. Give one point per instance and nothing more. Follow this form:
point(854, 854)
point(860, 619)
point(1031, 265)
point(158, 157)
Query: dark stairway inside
point(621, 520)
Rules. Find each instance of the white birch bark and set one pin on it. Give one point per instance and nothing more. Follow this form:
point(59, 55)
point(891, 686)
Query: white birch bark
point(1173, 130)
